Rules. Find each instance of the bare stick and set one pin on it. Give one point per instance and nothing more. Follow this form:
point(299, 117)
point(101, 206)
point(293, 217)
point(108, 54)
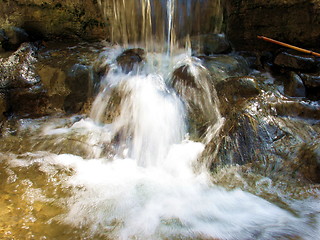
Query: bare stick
point(289, 46)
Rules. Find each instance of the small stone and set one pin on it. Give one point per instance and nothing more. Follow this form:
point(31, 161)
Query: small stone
point(295, 61)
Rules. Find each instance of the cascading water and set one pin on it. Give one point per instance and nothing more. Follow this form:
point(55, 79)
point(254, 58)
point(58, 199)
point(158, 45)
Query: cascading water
point(138, 180)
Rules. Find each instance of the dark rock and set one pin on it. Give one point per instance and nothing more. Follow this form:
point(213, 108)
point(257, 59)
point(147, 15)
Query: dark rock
point(240, 143)
point(309, 161)
point(291, 21)
point(3, 39)
point(295, 61)
point(311, 80)
point(78, 81)
point(15, 37)
point(3, 105)
point(295, 86)
point(210, 44)
point(27, 102)
point(312, 83)
point(130, 58)
point(236, 88)
point(3, 36)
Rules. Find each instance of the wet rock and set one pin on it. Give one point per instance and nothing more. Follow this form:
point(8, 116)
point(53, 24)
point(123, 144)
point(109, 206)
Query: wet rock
point(100, 66)
point(223, 66)
point(182, 76)
point(194, 84)
point(309, 161)
point(27, 102)
point(14, 38)
point(67, 77)
point(312, 83)
point(295, 61)
point(53, 81)
point(3, 105)
point(3, 39)
point(130, 59)
point(298, 110)
point(18, 71)
point(295, 86)
point(311, 80)
point(210, 44)
point(236, 88)
point(79, 83)
point(240, 143)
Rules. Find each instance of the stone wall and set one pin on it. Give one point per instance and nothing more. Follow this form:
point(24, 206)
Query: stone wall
point(293, 21)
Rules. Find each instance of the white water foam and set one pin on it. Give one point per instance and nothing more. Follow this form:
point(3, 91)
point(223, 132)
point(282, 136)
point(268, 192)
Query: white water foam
point(121, 200)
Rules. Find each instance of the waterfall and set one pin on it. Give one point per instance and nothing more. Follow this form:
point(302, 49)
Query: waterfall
point(160, 24)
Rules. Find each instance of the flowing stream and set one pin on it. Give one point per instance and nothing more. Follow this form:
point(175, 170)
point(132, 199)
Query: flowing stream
point(140, 177)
